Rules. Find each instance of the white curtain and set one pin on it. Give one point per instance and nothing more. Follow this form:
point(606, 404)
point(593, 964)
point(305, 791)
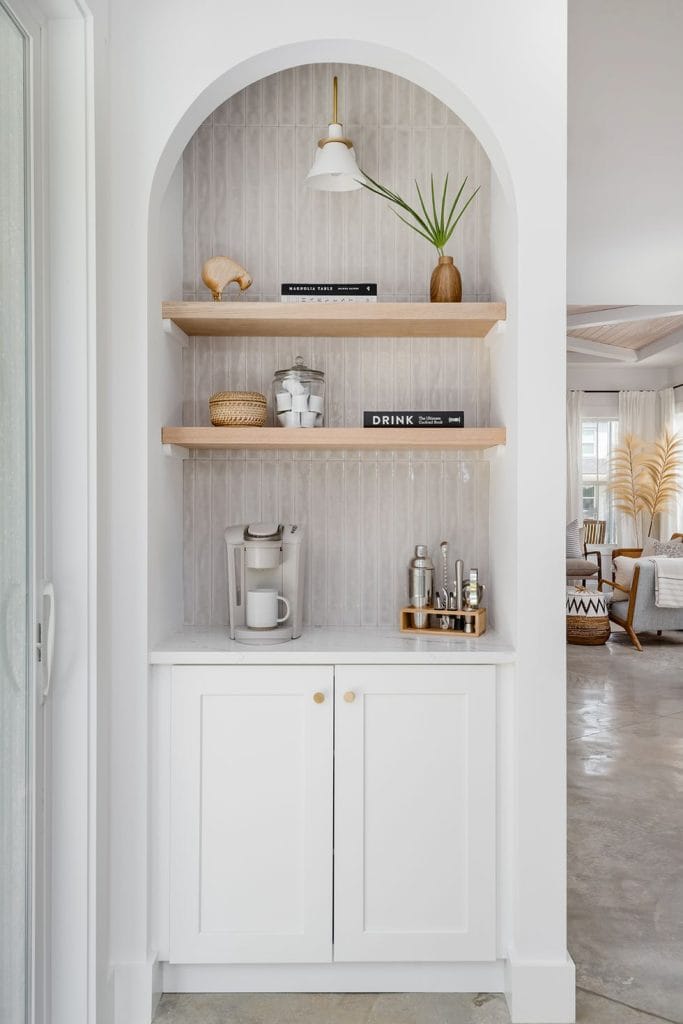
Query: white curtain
point(574, 452)
point(639, 415)
point(668, 521)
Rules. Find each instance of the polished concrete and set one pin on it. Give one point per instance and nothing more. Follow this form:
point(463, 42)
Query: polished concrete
point(625, 764)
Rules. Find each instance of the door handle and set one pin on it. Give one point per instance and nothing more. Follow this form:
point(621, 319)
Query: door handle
point(47, 649)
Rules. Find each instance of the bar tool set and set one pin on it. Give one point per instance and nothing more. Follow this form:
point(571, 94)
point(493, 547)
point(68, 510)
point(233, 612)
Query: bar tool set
point(453, 606)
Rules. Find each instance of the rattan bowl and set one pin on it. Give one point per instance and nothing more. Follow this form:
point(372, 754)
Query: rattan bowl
point(238, 409)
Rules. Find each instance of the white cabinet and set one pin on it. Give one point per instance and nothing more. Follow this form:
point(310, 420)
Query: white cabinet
point(415, 813)
point(251, 814)
point(254, 796)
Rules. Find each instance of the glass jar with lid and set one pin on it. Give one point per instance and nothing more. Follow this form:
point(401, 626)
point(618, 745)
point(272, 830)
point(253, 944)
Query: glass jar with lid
point(299, 396)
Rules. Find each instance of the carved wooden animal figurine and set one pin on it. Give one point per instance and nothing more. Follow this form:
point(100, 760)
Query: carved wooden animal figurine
point(220, 271)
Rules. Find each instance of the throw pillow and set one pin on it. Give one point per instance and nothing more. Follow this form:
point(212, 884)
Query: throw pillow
point(574, 547)
point(579, 568)
point(663, 548)
point(624, 569)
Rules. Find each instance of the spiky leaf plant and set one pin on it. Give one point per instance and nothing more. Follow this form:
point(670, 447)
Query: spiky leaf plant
point(661, 479)
point(436, 226)
point(627, 476)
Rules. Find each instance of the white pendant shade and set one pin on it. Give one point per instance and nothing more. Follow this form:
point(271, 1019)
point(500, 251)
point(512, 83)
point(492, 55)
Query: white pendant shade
point(334, 168)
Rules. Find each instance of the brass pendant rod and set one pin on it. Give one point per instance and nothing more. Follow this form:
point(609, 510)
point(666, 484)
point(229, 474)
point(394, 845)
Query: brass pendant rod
point(334, 100)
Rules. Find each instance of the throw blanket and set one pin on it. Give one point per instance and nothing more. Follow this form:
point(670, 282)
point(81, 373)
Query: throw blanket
point(668, 582)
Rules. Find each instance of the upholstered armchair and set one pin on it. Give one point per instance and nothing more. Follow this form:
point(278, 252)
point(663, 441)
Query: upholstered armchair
point(633, 608)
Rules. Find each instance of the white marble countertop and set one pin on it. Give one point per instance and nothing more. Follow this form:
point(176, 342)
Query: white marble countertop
point(195, 645)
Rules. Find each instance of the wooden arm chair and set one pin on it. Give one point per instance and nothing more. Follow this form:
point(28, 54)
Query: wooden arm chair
point(636, 610)
point(593, 533)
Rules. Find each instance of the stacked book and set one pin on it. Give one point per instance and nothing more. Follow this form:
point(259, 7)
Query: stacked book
point(328, 293)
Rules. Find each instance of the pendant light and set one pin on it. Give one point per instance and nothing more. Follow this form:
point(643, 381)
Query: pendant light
point(334, 168)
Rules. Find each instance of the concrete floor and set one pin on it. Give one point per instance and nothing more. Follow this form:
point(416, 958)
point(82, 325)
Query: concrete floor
point(625, 766)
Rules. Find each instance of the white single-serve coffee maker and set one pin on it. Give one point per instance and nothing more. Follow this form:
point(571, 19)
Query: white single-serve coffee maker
point(265, 566)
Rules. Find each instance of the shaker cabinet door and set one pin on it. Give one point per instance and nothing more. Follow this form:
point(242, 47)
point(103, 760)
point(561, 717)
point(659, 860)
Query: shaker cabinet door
point(251, 814)
point(414, 875)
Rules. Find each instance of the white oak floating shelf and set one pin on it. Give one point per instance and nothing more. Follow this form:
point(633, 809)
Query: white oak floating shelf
point(317, 438)
point(335, 319)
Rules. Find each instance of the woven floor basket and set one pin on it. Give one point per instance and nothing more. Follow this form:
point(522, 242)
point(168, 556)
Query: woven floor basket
point(238, 409)
point(588, 631)
point(591, 625)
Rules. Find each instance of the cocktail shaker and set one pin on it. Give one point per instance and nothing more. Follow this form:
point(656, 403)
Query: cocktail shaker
point(420, 584)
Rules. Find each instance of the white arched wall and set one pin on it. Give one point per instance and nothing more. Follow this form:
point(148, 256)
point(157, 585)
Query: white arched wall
point(503, 71)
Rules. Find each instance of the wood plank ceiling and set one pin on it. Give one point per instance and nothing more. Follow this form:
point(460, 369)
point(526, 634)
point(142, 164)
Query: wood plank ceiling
point(633, 335)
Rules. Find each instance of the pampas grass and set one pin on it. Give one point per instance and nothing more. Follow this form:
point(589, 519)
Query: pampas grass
point(662, 467)
point(646, 477)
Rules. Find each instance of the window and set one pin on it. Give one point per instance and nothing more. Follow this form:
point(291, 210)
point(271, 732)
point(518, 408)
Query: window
point(598, 439)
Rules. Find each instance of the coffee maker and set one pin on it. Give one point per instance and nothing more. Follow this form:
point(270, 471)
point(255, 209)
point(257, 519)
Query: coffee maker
point(260, 557)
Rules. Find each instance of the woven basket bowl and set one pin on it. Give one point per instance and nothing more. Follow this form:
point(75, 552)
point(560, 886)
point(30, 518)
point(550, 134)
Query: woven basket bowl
point(588, 630)
point(238, 409)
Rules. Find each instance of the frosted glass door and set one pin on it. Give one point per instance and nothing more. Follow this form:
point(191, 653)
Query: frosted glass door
point(14, 517)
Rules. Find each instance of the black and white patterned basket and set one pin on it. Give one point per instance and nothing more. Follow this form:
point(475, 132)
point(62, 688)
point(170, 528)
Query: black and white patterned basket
point(587, 619)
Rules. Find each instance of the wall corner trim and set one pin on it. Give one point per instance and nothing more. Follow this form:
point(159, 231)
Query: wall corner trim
point(540, 991)
point(137, 991)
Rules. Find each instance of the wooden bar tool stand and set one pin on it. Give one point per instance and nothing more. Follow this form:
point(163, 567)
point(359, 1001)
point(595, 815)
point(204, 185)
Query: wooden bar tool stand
point(476, 616)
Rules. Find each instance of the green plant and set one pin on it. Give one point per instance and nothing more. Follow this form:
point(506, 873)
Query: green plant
point(436, 227)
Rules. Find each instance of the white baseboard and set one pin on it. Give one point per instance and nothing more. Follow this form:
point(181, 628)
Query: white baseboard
point(137, 990)
point(541, 991)
point(478, 977)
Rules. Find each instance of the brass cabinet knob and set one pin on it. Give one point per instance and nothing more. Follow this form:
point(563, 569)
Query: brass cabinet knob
point(318, 697)
point(349, 696)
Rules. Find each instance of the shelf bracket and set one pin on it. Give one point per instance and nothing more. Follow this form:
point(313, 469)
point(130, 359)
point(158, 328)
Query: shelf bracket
point(173, 331)
point(175, 451)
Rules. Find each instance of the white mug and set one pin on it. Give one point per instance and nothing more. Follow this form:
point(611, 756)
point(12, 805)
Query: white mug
point(262, 609)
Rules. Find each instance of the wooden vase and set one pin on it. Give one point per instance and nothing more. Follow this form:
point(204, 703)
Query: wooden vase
point(446, 283)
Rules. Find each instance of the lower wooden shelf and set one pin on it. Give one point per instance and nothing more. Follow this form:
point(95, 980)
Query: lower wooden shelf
point(473, 438)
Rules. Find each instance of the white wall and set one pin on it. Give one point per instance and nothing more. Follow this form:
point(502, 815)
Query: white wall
point(625, 151)
point(501, 67)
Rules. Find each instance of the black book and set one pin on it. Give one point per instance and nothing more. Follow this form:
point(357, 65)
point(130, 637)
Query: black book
point(413, 419)
point(364, 292)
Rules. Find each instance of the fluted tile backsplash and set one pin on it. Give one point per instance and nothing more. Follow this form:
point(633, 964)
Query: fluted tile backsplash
point(243, 174)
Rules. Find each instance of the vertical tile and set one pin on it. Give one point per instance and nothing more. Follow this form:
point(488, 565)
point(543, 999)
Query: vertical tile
point(286, 104)
point(335, 487)
point(235, 228)
point(219, 521)
point(284, 230)
point(269, 190)
point(203, 197)
point(189, 220)
point(369, 542)
point(253, 104)
point(350, 531)
point(303, 77)
point(317, 544)
point(188, 541)
point(270, 90)
point(202, 542)
point(253, 199)
point(387, 98)
point(244, 193)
